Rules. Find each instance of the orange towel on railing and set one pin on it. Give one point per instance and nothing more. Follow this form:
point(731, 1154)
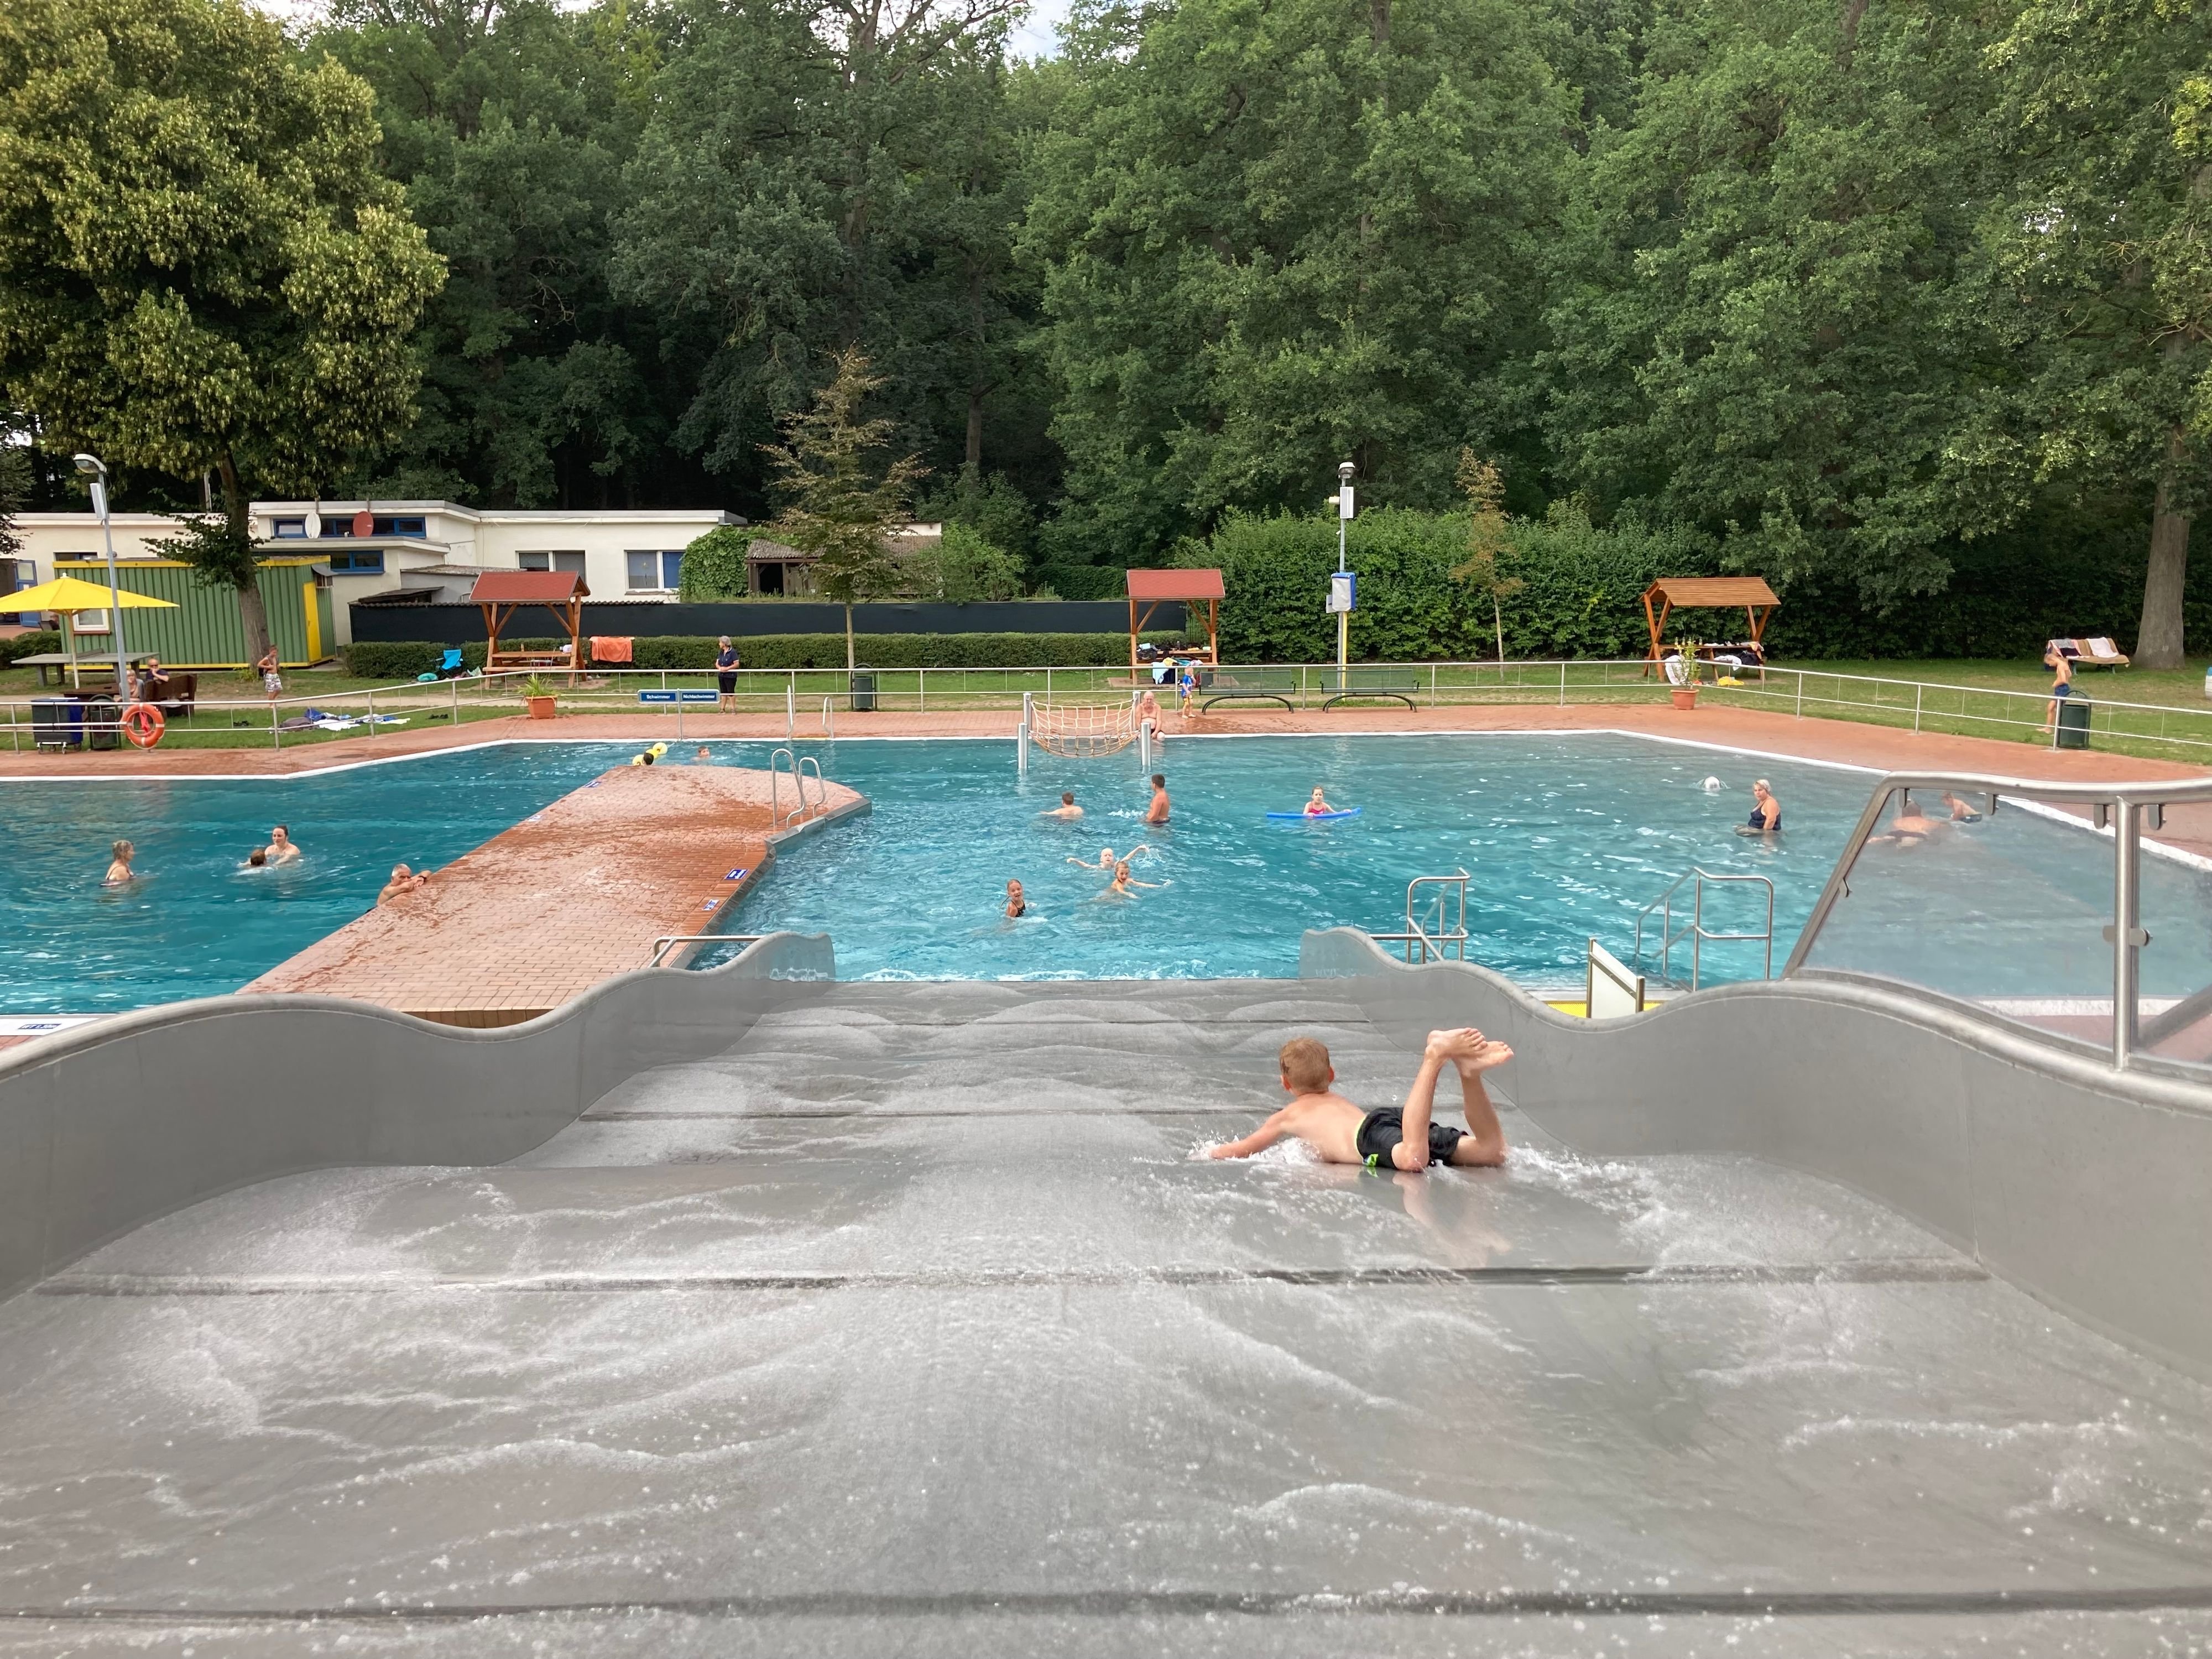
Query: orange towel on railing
point(610, 650)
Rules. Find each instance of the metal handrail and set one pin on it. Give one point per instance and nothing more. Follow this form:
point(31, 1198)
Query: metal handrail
point(821, 789)
point(1448, 940)
point(1695, 929)
point(660, 945)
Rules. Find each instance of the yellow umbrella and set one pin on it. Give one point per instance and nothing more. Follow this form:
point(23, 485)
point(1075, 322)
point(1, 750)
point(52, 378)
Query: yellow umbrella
point(75, 593)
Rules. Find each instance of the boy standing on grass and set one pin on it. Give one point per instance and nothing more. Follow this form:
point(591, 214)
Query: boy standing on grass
point(1394, 1138)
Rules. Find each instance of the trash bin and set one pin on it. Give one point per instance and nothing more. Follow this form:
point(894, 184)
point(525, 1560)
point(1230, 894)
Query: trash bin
point(864, 690)
point(2074, 722)
point(103, 723)
point(56, 723)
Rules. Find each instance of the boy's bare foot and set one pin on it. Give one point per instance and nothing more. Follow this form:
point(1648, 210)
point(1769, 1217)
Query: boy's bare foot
point(1451, 1045)
point(1486, 1056)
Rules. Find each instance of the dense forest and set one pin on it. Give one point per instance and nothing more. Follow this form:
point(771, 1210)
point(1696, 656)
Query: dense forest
point(1857, 293)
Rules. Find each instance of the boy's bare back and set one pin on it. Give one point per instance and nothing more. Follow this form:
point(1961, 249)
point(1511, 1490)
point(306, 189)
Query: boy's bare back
point(1344, 1133)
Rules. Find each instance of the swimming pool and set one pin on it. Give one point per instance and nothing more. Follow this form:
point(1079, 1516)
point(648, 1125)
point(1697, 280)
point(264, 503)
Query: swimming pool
point(1565, 837)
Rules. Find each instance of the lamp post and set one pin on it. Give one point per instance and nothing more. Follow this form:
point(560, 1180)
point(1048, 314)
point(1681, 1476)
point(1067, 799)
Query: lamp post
point(1344, 471)
point(94, 469)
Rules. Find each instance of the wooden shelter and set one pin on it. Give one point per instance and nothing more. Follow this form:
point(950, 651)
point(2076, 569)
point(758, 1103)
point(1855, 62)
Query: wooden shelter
point(1151, 587)
point(1692, 592)
point(502, 592)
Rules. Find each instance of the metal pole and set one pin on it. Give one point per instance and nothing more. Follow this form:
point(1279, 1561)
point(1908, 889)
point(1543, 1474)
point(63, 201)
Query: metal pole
point(790, 708)
point(1563, 684)
point(1801, 694)
point(1916, 708)
point(372, 711)
point(2127, 934)
point(1145, 746)
point(679, 716)
point(275, 738)
point(456, 687)
point(99, 469)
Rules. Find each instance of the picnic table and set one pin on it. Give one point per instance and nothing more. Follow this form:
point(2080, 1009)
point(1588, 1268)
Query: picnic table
point(60, 661)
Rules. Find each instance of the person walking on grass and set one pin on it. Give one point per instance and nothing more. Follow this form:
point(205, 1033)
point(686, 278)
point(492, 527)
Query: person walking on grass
point(272, 678)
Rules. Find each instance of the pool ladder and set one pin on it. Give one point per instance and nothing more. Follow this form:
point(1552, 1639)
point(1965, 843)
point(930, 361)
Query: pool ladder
point(1695, 930)
point(798, 763)
point(1435, 920)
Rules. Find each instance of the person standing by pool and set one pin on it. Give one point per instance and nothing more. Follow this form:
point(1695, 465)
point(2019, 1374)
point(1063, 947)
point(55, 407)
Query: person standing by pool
point(272, 678)
point(282, 849)
point(1067, 809)
point(725, 676)
point(2062, 687)
point(1158, 812)
point(119, 873)
point(1765, 811)
point(1187, 686)
point(1148, 708)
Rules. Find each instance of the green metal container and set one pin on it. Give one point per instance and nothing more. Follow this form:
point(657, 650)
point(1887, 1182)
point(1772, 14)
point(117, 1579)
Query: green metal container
point(204, 631)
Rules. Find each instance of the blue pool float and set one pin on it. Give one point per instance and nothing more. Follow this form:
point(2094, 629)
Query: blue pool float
point(1318, 817)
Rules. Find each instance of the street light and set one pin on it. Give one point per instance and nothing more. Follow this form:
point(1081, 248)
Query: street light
point(1340, 598)
point(94, 469)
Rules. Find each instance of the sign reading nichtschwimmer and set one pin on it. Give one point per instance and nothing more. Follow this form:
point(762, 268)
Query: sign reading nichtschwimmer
point(676, 696)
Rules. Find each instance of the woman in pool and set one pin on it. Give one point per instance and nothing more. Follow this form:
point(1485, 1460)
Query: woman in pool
point(1016, 904)
point(1318, 806)
point(1765, 811)
point(119, 873)
point(1119, 887)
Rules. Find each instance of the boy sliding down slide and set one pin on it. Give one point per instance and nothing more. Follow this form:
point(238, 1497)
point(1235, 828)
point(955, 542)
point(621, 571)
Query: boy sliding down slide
point(1392, 1138)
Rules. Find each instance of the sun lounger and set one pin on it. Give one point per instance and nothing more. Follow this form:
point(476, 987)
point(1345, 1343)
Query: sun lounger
point(2098, 651)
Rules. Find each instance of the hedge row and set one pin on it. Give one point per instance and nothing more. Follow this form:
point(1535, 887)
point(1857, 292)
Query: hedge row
point(404, 660)
point(29, 645)
point(1084, 582)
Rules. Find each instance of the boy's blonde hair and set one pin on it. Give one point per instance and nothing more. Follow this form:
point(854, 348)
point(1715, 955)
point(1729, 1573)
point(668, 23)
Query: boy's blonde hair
point(1305, 1064)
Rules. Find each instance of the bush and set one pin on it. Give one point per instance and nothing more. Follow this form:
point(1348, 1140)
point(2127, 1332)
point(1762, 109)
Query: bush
point(29, 645)
point(1084, 581)
point(714, 565)
point(404, 660)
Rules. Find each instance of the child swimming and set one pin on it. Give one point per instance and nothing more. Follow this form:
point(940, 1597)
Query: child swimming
point(1318, 806)
point(1119, 887)
point(1394, 1138)
point(1105, 861)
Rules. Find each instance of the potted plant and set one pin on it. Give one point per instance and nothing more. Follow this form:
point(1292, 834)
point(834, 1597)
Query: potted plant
point(1684, 691)
point(539, 697)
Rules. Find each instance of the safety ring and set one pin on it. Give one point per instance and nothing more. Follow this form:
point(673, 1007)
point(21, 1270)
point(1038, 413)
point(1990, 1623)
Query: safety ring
point(143, 723)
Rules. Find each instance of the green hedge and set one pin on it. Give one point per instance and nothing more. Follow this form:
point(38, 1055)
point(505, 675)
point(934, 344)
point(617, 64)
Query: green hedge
point(404, 659)
point(29, 645)
point(1084, 582)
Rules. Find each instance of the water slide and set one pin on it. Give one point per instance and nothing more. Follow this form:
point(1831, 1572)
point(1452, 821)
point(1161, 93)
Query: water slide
point(743, 1312)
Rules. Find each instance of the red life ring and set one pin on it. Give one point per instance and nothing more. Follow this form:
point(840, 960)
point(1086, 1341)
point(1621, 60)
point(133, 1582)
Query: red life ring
point(143, 723)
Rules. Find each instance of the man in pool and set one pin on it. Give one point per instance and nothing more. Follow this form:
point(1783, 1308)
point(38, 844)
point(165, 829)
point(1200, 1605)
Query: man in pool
point(1395, 1138)
point(1066, 809)
point(1158, 812)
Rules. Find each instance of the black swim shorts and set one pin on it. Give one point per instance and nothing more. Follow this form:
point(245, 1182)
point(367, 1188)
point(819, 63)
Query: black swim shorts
point(1379, 1134)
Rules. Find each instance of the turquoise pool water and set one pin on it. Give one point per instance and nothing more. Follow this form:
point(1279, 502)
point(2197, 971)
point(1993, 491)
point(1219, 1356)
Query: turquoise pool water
point(1565, 837)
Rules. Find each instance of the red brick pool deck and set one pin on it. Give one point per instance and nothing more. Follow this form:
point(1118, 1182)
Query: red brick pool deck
point(569, 896)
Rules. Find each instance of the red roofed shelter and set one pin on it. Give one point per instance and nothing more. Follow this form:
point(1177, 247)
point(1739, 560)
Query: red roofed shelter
point(502, 592)
point(1691, 592)
point(1150, 587)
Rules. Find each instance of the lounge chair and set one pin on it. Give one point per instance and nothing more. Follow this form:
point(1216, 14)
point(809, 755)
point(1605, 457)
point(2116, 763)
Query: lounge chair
point(2097, 653)
point(449, 665)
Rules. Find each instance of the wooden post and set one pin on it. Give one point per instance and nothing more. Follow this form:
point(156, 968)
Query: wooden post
point(1132, 636)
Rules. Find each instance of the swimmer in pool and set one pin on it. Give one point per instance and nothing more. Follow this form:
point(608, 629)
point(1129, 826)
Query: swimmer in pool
point(1158, 812)
point(257, 859)
point(703, 756)
point(1016, 904)
point(119, 873)
point(1105, 861)
point(1765, 811)
point(1318, 805)
point(1960, 812)
point(1911, 827)
point(282, 849)
point(1400, 1137)
point(1066, 809)
point(404, 881)
point(1119, 886)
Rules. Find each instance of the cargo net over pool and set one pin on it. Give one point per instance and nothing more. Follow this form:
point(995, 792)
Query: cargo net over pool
point(1083, 731)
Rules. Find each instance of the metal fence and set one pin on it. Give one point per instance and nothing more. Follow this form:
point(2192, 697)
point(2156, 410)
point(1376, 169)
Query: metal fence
point(809, 699)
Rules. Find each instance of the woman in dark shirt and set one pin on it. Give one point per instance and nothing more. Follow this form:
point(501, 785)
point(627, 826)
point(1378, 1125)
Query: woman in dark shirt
point(725, 676)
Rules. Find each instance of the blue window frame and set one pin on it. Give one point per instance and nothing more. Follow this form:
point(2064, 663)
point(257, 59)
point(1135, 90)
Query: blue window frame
point(652, 572)
point(361, 562)
point(290, 529)
point(401, 526)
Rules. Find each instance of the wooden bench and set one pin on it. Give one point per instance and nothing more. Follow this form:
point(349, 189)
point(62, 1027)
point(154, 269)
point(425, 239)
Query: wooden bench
point(1400, 682)
point(1251, 685)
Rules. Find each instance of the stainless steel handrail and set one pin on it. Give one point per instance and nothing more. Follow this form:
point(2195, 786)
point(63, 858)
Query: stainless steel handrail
point(660, 945)
point(2125, 808)
point(821, 789)
point(1450, 939)
point(1695, 929)
point(774, 810)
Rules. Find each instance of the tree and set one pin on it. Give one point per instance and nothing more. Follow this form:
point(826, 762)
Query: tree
point(2097, 278)
point(837, 510)
point(200, 267)
point(1489, 534)
point(713, 566)
point(963, 568)
point(15, 495)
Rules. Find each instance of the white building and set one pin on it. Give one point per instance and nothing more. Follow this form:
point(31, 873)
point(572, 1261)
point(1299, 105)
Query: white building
point(434, 548)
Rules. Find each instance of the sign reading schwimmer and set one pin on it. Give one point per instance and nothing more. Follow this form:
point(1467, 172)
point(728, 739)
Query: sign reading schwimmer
point(676, 696)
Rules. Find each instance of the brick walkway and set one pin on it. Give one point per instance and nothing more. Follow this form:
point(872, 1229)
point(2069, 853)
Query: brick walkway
point(569, 896)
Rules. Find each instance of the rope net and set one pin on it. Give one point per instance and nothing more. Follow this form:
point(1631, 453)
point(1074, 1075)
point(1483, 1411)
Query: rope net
point(1083, 731)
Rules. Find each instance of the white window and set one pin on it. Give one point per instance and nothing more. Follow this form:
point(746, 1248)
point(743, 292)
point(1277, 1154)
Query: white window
point(553, 562)
point(654, 572)
point(289, 529)
point(89, 622)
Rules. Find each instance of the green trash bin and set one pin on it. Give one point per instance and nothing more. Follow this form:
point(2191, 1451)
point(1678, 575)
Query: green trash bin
point(863, 691)
point(2074, 722)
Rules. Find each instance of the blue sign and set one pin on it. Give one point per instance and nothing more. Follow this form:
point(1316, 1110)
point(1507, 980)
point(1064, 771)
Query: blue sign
point(676, 696)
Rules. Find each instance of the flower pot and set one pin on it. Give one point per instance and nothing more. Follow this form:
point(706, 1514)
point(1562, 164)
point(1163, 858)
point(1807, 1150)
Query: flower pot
point(1686, 696)
point(541, 708)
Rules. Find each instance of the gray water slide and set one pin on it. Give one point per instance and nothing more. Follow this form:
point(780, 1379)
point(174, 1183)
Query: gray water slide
point(728, 1313)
